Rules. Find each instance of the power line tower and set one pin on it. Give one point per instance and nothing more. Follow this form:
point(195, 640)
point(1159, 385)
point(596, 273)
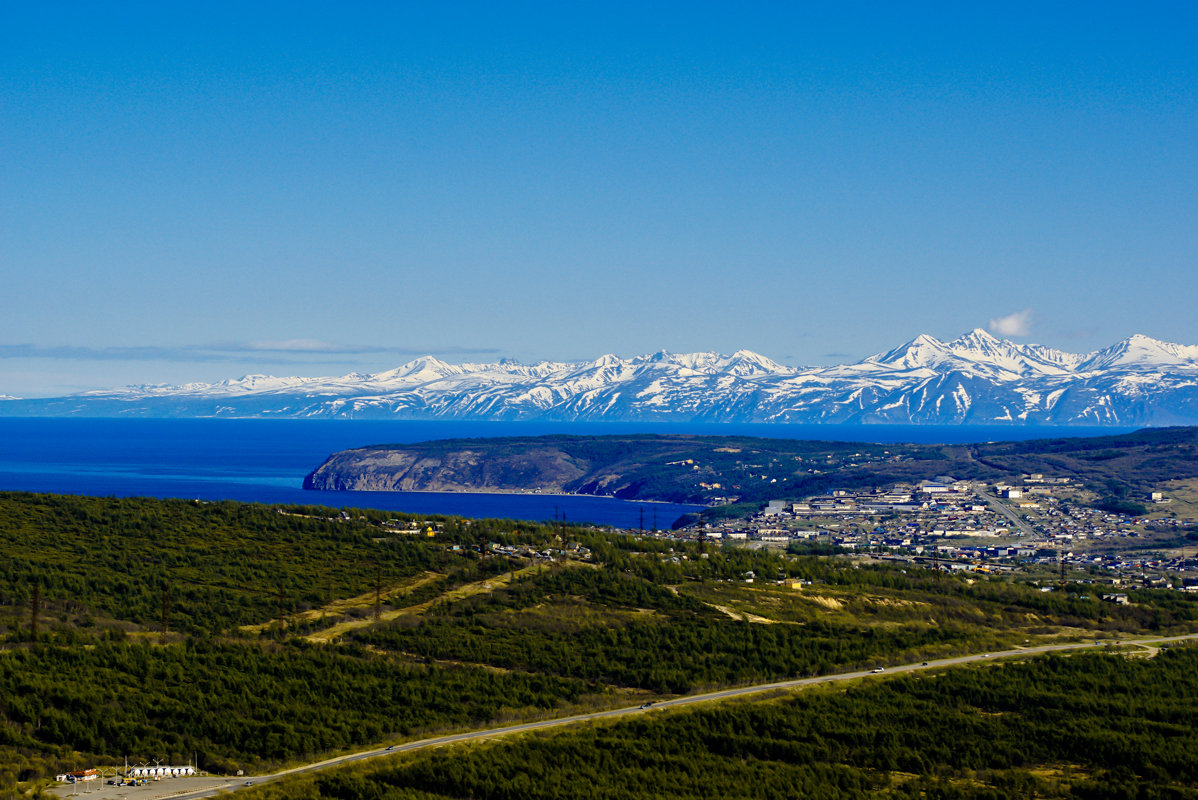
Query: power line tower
point(378, 593)
point(35, 608)
point(166, 601)
point(281, 617)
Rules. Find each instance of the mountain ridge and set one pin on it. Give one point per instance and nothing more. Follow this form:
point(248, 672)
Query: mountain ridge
point(974, 379)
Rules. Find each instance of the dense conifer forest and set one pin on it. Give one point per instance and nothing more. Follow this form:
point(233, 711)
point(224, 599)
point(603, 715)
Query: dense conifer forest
point(1095, 726)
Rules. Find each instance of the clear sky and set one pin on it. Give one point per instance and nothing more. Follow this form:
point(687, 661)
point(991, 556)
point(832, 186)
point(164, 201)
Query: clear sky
point(196, 191)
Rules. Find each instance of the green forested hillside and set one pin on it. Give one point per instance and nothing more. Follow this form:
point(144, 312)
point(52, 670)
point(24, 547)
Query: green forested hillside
point(295, 633)
point(1083, 726)
point(240, 705)
point(215, 565)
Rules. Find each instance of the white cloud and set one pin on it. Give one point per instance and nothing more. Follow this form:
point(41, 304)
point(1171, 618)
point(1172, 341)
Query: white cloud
point(291, 351)
point(1017, 324)
point(293, 345)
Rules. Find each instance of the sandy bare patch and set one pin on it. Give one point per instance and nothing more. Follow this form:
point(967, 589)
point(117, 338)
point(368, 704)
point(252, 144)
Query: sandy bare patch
point(466, 590)
point(348, 604)
point(743, 616)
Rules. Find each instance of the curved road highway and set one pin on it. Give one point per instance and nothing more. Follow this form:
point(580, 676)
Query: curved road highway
point(1002, 508)
point(708, 697)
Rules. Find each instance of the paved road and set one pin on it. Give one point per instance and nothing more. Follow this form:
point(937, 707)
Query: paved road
point(1003, 509)
point(708, 697)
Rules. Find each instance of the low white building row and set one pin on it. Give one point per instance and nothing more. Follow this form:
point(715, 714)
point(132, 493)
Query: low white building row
point(161, 772)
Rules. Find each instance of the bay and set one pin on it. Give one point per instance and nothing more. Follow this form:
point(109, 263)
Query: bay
point(265, 461)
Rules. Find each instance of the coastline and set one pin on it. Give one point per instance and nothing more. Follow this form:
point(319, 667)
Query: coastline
point(504, 493)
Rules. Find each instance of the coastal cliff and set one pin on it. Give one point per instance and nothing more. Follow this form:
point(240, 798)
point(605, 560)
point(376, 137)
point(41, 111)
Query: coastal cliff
point(681, 469)
point(470, 469)
point(670, 468)
point(723, 469)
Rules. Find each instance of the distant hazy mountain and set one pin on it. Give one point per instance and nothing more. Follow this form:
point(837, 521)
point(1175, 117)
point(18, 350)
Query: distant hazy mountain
point(975, 379)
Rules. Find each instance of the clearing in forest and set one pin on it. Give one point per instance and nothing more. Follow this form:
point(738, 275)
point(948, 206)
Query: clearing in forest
point(466, 590)
point(347, 604)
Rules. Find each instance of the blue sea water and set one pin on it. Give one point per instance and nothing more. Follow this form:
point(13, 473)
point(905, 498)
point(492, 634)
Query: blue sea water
point(265, 461)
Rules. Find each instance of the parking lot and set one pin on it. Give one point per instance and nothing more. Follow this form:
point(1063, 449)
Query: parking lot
point(153, 790)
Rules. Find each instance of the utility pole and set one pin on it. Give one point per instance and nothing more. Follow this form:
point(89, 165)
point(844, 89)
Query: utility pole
point(642, 528)
point(35, 607)
point(166, 599)
point(378, 593)
point(280, 619)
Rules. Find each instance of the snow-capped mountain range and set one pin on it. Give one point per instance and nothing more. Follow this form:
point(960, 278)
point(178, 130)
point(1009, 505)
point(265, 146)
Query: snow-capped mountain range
point(975, 379)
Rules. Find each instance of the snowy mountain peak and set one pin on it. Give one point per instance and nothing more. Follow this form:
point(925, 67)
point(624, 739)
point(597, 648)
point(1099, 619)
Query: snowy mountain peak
point(607, 360)
point(980, 336)
point(921, 352)
point(746, 362)
point(256, 383)
point(977, 353)
point(426, 367)
point(1139, 351)
point(975, 378)
point(979, 343)
point(980, 346)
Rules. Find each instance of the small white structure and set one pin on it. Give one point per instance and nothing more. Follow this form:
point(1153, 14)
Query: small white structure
point(161, 771)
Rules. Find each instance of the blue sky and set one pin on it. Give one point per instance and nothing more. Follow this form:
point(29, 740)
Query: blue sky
point(194, 192)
